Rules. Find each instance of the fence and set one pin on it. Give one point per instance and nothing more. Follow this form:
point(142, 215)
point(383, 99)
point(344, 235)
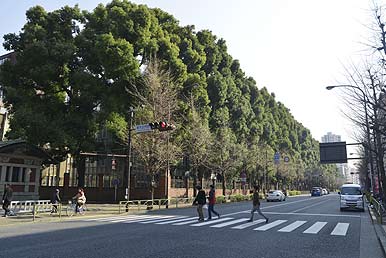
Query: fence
point(150, 204)
point(28, 206)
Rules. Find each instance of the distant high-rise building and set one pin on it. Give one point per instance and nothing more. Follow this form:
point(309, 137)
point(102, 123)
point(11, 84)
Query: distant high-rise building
point(330, 137)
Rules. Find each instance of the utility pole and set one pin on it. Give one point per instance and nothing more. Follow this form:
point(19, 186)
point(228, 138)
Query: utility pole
point(131, 116)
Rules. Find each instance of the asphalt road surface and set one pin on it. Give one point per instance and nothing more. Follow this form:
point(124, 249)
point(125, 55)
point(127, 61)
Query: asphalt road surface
point(308, 227)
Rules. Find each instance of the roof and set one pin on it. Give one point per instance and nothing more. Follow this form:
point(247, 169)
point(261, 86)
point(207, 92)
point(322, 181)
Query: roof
point(9, 147)
point(351, 185)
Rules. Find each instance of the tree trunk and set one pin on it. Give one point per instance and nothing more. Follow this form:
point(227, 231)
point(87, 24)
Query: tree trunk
point(223, 184)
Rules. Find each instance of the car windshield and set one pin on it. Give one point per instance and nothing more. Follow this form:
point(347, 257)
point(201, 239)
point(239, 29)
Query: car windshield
point(315, 189)
point(271, 192)
point(351, 191)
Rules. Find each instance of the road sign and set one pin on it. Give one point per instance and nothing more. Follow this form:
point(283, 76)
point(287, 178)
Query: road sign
point(143, 128)
point(286, 159)
point(276, 157)
point(115, 181)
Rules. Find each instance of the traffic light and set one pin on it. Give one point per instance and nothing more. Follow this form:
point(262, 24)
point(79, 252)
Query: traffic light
point(162, 126)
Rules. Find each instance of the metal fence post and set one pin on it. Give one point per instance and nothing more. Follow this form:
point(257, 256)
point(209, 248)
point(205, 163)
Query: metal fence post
point(33, 212)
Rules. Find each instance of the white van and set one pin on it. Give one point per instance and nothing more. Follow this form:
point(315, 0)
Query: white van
point(351, 196)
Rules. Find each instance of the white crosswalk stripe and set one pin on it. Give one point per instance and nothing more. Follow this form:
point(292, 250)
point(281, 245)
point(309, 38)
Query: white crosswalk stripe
point(201, 224)
point(229, 223)
point(340, 229)
point(314, 229)
point(293, 226)
point(249, 224)
point(176, 220)
point(161, 220)
point(270, 225)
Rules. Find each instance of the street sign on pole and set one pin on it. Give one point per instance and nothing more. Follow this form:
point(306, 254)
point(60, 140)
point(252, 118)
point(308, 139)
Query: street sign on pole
point(276, 158)
point(143, 128)
point(286, 159)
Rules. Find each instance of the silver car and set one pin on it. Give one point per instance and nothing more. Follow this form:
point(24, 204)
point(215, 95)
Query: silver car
point(275, 195)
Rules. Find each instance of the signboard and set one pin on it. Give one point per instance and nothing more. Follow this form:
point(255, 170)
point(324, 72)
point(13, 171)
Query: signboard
point(333, 152)
point(286, 159)
point(115, 181)
point(243, 178)
point(143, 128)
point(276, 157)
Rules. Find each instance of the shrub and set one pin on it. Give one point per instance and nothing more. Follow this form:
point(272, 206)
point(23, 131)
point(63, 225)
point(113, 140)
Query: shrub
point(220, 199)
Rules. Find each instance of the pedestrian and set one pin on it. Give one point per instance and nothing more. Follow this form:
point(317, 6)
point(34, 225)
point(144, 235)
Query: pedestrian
point(200, 201)
point(212, 202)
point(55, 200)
point(256, 204)
point(80, 199)
point(7, 199)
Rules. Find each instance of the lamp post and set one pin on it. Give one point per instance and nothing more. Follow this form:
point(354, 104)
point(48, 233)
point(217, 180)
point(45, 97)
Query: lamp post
point(131, 116)
point(367, 127)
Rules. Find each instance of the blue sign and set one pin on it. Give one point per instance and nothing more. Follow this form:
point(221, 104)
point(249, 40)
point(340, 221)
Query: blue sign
point(115, 181)
point(276, 157)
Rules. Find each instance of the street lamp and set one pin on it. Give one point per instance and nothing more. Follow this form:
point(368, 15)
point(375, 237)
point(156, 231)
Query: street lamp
point(131, 116)
point(367, 126)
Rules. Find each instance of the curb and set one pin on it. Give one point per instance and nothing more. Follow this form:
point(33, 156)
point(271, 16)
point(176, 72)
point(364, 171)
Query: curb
point(379, 231)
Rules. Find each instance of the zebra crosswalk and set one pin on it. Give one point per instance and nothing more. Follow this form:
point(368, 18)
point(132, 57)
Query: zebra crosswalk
point(279, 225)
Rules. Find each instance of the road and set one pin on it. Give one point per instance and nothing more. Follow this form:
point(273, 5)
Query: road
point(299, 227)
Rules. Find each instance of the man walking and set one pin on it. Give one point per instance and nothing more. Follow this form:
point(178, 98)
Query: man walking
point(55, 201)
point(212, 202)
point(200, 201)
point(256, 204)
point(7, 198)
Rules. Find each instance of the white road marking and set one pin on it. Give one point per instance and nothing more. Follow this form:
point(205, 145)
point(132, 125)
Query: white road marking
point(309, 206)
point(163, 219)
point(249, 224)
point(270, 225)
point(200, 224)
point(177, 220)
point(229, 223)
point(138, 220)
point(292, 226)
point(314, 214)
point(340, 229)
point(314, 229)
point(185, 222)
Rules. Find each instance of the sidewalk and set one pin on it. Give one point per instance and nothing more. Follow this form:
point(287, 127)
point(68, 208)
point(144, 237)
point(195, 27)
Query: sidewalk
point(380, 230)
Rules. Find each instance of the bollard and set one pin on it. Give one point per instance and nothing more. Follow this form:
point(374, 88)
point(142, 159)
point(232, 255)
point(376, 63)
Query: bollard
point(60, 211)
point(33, 212)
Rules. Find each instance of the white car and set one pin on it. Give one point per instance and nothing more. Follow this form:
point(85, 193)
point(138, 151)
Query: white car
point(275, 195)
point(351, 196)
point(324, 190)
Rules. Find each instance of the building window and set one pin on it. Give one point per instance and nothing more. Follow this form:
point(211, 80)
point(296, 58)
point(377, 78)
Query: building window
point(15, 174)
point(8, 174)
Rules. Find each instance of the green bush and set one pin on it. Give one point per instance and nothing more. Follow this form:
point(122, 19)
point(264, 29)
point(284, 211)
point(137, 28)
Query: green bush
point(294, 192)
point(220, 199)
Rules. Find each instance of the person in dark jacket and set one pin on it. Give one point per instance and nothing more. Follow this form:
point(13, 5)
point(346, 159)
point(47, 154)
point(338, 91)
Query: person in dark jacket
point(7, 199)
point(212, 202)
point(200, 201)
point(256, 204)
point(55, 201)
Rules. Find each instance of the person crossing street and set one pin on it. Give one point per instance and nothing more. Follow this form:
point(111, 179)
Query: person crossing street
point(212, 202)
point(200, 201)
point(256, 204)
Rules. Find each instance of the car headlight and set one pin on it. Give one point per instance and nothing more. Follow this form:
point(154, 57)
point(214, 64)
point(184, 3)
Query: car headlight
point(342, 198)
point(360, 199)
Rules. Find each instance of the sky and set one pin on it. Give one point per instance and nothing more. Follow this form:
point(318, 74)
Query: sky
point(294, 48)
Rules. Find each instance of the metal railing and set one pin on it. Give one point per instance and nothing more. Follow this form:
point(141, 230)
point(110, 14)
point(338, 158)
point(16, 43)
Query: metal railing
point(379, 209)
point(150, 204)
point(28, 206)
point(51, 207)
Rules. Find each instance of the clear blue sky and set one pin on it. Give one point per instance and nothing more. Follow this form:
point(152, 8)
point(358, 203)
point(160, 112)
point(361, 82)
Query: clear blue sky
point(294, 48)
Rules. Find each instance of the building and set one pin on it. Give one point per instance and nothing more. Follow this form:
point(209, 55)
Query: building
point(330, 137)
point(4, 125)
point(20, 166)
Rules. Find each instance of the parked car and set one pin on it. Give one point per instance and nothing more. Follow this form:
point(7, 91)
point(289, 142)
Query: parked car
point(351, 197)
point(316, 191)
point(275, 195)
point(324, 191)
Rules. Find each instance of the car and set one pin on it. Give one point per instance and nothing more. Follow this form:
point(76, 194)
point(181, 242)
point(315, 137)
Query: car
point(316, 191)
point(324, 191)
point(275, 195)
point(351, 197)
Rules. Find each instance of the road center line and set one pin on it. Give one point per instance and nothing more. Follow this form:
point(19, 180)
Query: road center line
point(264, 208)
point(313, 214)
point(309, 206)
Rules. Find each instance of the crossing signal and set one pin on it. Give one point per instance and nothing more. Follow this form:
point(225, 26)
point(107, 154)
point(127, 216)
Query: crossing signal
point(162, 126)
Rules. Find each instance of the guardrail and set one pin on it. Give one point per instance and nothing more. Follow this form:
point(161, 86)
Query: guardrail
point(28, 206)
point(379, 209)
point(150, 204)
point(37, 208)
